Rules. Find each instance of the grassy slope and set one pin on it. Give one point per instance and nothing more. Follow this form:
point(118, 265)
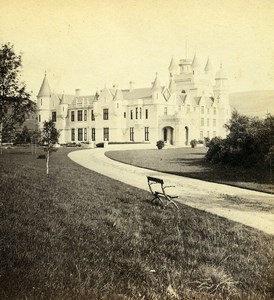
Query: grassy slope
point(255, 103)
point(80, 235)
point(189, 162)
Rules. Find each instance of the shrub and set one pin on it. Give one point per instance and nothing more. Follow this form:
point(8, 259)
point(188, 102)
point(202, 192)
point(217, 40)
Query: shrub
point(215, 149)
point(100, 145)
point(193, 143)
point(247, 143)
point(160, 144)
point(206, 141)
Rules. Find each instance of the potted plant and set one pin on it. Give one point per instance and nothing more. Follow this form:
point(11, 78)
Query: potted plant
point(193, 143)
point(160, 145)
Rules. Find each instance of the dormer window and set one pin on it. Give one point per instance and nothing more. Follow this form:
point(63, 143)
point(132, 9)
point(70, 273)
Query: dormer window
point(183, 92)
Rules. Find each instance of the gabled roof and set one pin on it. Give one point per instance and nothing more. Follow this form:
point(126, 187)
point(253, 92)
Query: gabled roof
point(209, 101)
point(66, 99)
point(45, 90)
point(106, 91)
point(197, 100)
point(118, 95)
point(183, 97)
point(137, 93)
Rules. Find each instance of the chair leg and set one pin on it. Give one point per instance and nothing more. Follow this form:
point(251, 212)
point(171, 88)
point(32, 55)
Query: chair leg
point(171, 202)
point(158, 198)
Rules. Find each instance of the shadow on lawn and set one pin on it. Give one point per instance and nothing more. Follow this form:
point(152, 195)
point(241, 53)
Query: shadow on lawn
point(200, 169)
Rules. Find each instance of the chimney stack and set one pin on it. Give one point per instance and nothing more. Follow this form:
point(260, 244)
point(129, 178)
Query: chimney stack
point(77, 92)
point(131, 86)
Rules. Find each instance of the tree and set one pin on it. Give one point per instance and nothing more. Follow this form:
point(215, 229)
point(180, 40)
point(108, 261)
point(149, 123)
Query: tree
point(49, 137)
point(15, 102)
point(24, 136)
point(247, 143)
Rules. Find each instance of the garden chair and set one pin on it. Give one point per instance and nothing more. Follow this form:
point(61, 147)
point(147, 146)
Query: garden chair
point(157, 189)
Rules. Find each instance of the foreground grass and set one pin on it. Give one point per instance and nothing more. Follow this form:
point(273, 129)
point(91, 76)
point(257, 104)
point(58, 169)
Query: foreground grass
point(80, 235)
point(190, 162)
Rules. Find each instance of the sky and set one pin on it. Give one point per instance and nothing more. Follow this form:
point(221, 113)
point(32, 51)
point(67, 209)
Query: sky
point(88, 44)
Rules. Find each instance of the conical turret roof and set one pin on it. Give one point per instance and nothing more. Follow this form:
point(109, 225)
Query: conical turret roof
point(208, 67)
point(45, 90)
point(172, 66)
point(156, 84)
point(195, 64)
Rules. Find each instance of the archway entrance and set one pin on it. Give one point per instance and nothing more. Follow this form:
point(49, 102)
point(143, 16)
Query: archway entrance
point(186, 135)
point(168, 135)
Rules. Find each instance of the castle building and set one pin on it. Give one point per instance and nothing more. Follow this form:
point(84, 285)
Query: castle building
point(194, 105)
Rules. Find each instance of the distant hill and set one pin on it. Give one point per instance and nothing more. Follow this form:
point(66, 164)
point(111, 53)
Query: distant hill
point(253, 103)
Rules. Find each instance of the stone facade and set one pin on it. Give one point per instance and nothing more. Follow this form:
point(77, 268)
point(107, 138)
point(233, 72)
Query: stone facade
point(194, 105)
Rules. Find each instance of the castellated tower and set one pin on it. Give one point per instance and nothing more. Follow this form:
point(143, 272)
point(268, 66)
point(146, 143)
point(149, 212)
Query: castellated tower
point(221, 98)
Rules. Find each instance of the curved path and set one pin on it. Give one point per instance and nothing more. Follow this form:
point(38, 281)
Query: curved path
point(255, 209)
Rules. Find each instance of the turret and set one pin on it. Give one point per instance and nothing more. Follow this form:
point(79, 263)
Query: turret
point(156, 88)
point(44, 102)
point(195, 66)
point(221, 79)
point(45, 90)
point(220, 88)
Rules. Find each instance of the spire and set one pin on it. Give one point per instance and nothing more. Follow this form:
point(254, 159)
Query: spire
point(208, 67)
point(45, 88)
point(173, 68)
point(195, 64)
point(156, 84)
point(172, 85)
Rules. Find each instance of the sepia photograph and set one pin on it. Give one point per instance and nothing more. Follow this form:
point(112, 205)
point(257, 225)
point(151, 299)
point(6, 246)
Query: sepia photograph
point(137, 149)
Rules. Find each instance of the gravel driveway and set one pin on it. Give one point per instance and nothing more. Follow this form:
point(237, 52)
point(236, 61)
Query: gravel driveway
point(255, 209)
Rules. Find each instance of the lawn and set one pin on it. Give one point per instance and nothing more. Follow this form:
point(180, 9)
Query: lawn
point(190, 163)
point(80, 235)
